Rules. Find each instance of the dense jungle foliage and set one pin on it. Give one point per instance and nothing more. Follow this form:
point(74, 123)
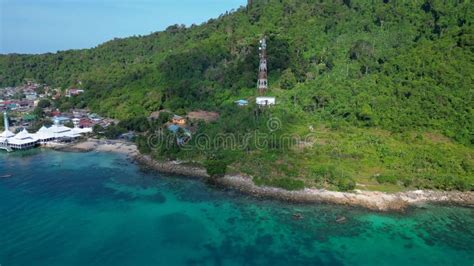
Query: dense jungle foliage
point(385, 85)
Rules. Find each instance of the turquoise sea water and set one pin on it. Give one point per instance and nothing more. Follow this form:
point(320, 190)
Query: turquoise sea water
point(100, 209)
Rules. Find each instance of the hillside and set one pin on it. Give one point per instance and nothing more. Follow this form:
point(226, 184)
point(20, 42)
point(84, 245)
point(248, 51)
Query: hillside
point(387, 85)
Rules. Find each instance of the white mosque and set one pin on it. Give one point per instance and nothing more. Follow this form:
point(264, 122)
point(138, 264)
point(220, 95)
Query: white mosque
point(24, 140)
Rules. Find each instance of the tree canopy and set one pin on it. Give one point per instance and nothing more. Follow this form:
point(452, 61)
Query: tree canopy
point(395, 66)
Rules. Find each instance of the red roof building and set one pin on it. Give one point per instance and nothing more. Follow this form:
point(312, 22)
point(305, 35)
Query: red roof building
point(55, 113)
point(86, 122)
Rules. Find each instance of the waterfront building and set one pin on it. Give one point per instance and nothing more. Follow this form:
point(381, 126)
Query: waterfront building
point(23, 141)
point(44, 136)
point(60, 133)
point(20, 141)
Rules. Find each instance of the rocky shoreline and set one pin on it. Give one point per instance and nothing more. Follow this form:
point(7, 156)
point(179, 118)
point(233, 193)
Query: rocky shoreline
point(123, 147)
point(171, 167)
point(373, 200)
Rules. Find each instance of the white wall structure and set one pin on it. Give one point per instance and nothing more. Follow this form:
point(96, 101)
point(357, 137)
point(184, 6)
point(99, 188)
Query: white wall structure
point(265, 101)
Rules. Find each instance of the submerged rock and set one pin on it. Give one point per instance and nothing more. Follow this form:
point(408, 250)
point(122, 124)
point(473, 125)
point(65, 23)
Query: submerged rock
point(297, 216)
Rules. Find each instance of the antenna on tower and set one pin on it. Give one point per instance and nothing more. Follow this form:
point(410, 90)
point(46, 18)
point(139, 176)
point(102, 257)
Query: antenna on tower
point(262, 84)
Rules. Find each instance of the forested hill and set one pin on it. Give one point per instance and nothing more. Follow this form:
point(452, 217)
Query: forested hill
point(379, 63)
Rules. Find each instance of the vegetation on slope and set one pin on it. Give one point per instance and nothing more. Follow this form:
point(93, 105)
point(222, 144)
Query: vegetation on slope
point(387, 86)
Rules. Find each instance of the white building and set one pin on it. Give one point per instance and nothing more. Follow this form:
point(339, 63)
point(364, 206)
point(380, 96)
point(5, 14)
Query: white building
point(25, 140)
point(266, 101)
point(76, 121)
point(44, 135)
point(20, 141)
point(58, 132)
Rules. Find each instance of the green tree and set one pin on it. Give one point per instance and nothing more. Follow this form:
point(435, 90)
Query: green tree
point(287, 80)
point(346, 184)
point(215, 167)
point(69, 124)
point(98, 129)
point(65, 107)
point(44, 103)
point(38, 112)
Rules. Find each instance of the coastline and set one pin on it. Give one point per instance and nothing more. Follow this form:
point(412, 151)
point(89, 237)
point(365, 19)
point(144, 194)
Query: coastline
point(373, 200)
point(117, 146)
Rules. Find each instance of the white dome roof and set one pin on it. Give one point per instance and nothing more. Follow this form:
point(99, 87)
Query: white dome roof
point(23, 135)
point(7, 134)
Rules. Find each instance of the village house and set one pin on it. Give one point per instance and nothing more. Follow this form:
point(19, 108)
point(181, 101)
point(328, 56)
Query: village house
point(73, 92)
point(31, 95)
point(79, 113)
point(178, 120)
point(26, 105)
point(242, 102)
point(55, 113)
point(183, 138)
point(86, 122)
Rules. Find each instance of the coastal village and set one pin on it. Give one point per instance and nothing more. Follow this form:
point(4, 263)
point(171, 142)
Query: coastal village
point(20, 106)
point(31, 121)
point(280, 132)
point(83, 130)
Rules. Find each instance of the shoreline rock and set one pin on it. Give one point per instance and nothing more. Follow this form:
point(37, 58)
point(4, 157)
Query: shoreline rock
point(171, 167)
point(372, 200)
point(122, 147)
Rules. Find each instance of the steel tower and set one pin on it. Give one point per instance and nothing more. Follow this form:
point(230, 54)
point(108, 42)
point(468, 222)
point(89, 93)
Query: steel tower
point(262, 83)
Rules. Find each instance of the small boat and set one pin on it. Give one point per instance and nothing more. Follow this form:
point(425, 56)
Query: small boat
point(5, 176)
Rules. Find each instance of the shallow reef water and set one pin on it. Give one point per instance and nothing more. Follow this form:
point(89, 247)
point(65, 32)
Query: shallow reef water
point(95, 208)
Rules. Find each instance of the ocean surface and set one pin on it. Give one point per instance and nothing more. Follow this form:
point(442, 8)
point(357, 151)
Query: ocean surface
point(101, 209)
